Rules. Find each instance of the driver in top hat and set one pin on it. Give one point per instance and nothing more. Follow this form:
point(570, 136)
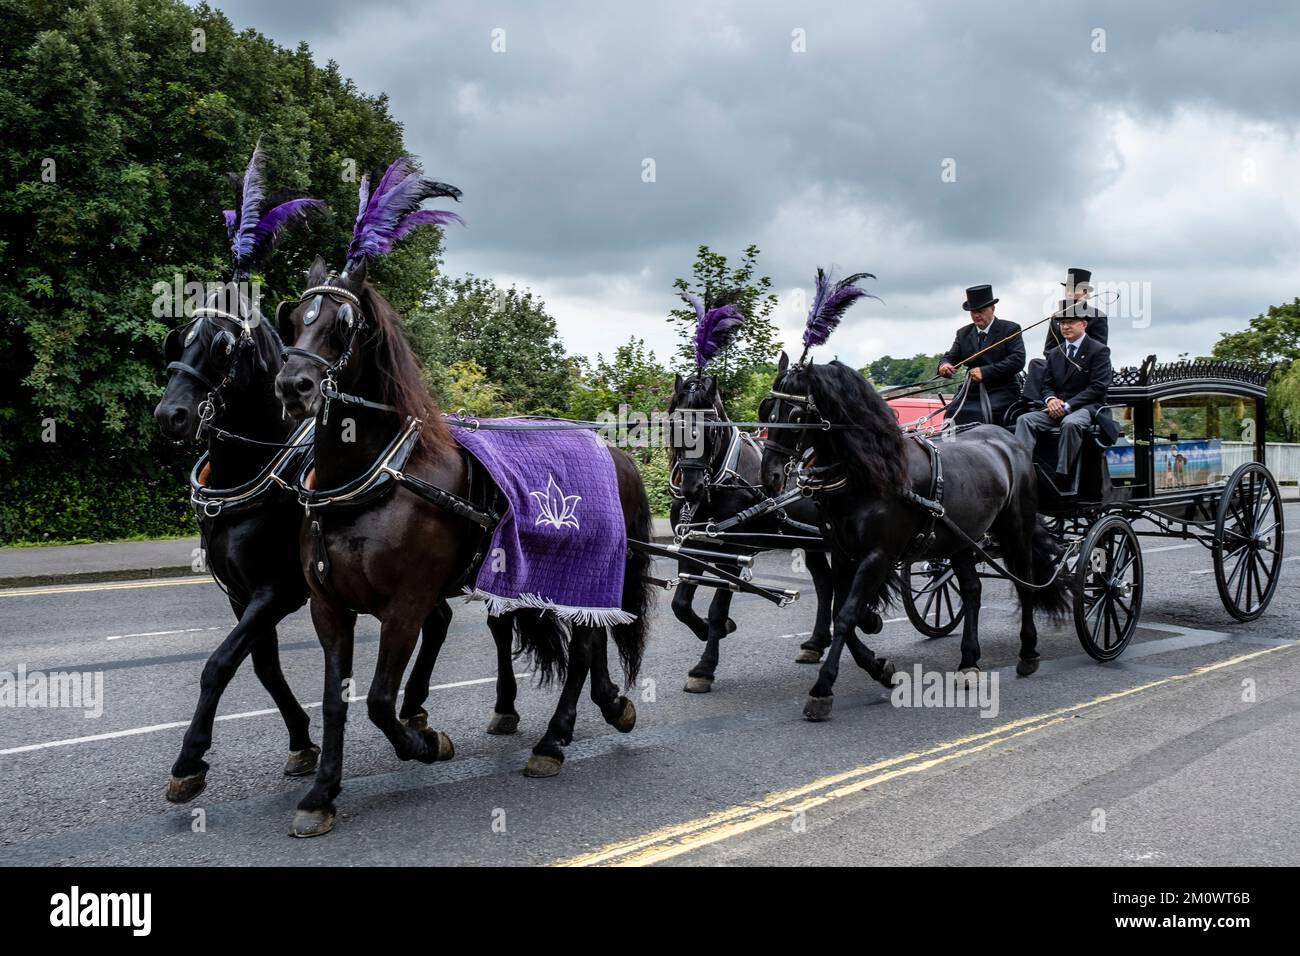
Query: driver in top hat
point(1078, 290)
point(993, 353)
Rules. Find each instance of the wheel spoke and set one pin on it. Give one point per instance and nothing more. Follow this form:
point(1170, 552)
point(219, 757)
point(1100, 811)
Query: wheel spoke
point(1114, 620)
point(925, 612)
point(1259, 587)
point(1119, 575)
point(1233, 503)
point(1094, 611)
point(1241, 563)
point(1262, 505)
point(1240, 555)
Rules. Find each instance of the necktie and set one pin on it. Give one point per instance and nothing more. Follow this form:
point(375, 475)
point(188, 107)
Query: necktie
point(1071, 351)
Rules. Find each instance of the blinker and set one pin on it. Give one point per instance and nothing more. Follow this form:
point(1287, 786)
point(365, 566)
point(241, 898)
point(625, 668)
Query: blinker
point(313, 312)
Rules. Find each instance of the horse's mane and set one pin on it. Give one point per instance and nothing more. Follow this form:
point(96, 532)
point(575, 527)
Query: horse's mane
point(401, 382)
point(873, 455)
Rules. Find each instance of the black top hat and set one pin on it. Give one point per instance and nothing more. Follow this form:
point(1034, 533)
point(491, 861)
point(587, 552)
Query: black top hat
point(1078, 278)
point(978, 297)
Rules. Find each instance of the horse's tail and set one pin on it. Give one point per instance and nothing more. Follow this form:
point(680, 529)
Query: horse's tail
point(637, 590)
point(890, 591)
point(544, 641)
point(1046, 553)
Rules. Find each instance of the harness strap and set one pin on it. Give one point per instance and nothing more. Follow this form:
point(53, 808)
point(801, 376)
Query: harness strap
point(193, 373)
point(446, 500)
point(333, 394)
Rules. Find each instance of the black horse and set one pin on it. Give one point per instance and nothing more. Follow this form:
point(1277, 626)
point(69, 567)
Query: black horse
point(716, 475)
point(250, 521)
point(874, 484)
point(221, 374)
point(397, 556)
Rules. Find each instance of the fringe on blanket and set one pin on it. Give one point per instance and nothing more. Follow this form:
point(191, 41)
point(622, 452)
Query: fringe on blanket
point(588, 616)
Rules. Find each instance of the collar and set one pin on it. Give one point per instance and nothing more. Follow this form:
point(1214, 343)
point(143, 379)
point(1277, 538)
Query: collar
point(1076, 344)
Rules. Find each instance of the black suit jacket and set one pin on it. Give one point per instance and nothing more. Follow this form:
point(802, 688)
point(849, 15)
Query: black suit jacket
point(1081, 387)
point(1098, 328)
point(1001, 365)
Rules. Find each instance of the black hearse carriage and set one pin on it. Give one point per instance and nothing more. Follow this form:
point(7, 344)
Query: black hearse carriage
point(1188, 463)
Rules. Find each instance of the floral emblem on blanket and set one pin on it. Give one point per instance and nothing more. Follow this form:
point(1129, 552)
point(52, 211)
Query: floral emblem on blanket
point(557, 508)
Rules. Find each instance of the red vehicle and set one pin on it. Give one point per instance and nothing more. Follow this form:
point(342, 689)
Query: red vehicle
point(915, 407)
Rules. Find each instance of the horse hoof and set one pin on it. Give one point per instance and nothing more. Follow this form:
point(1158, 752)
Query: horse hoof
point(808, 655)
point(818, 709)
point(731, 626)
point(886, 673)
point(698, 685)
point(440, 744)
point(185, 789)
point(302, 762)
point(502, 725)
point(419, 721)
point(1026, 666)
point(627, 717)
point(968, 677)
point(540, 765)
point(312, 823)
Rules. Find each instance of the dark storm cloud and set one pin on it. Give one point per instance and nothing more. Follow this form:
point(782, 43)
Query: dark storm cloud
point(835, 153)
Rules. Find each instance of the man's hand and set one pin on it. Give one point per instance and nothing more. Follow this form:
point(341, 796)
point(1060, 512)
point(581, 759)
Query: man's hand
point(1055, 407)
point(946, 370)
point(976, 374)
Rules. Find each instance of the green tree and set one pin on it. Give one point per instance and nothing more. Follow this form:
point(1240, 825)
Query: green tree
point(117, 123)
point(1273, 336)
point(466, 386)
point(757, 342)
point(632, 377)
point(505, 332)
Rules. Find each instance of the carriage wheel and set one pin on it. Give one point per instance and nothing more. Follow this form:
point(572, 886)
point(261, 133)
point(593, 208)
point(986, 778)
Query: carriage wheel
point(1248, 541)
point(1108, 588)
point(932, 597)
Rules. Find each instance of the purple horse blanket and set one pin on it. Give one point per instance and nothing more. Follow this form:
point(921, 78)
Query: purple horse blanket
point(562, 542)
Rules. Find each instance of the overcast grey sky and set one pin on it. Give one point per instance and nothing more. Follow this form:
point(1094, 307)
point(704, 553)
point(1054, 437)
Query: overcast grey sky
point(1163, 153)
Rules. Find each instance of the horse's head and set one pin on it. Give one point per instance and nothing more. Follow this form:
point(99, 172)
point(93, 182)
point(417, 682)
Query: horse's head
point(787, 404)
point(327, 325)
point(693, 443)
point(210, 360)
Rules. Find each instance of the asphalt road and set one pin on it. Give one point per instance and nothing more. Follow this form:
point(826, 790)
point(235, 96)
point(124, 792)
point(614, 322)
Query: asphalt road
point(1185, 751)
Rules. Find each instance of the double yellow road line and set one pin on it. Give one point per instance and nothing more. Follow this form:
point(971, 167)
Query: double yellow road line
point(105, 586)
point(672, 841)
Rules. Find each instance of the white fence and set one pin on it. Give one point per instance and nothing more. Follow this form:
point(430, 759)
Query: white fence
point(1283, 460)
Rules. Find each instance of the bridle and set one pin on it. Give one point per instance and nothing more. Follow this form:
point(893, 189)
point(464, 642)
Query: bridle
point(356, 327)
point(214, 404)
point(804, 412)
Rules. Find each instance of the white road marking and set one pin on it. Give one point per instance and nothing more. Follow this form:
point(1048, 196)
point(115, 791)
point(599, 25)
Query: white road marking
point(184, 630)
point(1170, 547)
point(176, 724)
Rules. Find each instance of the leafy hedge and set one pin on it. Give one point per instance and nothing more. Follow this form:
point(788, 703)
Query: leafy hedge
point(96, 499)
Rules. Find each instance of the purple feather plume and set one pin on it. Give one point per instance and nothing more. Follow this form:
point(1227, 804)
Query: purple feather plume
point(829, 305)
point(252, 231)
point(392, 210)
point(714, 329)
